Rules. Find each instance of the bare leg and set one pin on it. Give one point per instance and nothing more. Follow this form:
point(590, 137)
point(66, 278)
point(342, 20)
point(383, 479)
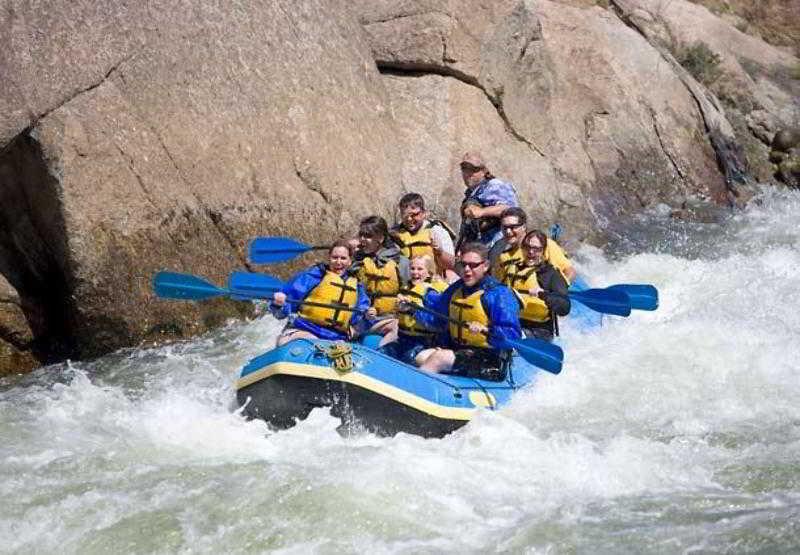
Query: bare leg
point(387, 328)
point(292, 334)
point(424, 355)
point(438, 361)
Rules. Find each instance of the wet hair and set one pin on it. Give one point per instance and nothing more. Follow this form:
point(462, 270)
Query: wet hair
point(516, 212)
point(478, 248)
point(345, 244)
point(428, 261)
point(372, 226)
point(411, 200)
point(535, 233)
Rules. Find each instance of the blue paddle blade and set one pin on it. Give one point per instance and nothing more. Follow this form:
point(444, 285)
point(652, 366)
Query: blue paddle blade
point(269, 250)
point(642, 296)
point(171, 285)
point(248, 285)
point(540, 353)
point(605, 301)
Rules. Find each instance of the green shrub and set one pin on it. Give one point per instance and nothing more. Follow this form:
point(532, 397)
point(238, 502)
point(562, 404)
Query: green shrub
point(702, 62)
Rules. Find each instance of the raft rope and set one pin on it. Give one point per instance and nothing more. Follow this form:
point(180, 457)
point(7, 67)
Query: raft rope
point(340, 355)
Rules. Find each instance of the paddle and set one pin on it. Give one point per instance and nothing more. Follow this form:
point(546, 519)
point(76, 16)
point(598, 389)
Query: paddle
point(605, 301)
point(186, 287)
point(536, 351)
point(269, 250)
point(642, 296)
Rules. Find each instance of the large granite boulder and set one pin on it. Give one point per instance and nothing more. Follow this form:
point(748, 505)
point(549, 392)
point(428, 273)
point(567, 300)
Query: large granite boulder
point(756, 82)
point(149, 135)
point(16, 336)
point(571, 104)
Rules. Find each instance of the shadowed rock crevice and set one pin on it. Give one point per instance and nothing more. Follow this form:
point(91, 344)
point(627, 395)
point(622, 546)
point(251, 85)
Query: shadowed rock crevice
point(33, 247)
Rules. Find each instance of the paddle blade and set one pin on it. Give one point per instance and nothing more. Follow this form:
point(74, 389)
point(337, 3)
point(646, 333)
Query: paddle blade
point(642, 296)
point(248, 285)
point(605, 301)
point(540, 353)
point(171, 285)
point(269, 250)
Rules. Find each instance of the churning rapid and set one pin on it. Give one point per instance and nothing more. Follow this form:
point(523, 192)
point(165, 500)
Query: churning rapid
point(672, 431)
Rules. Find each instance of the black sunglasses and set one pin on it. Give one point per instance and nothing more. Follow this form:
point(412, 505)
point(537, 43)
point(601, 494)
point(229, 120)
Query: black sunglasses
point(473, 265)
point(512, 226)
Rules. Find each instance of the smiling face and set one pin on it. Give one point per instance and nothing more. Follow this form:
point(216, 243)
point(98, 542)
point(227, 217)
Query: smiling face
point(419, 270)
point(533, 251)
point(413, 217)
point(475, 268)
point(339, 259)
point(513, 230)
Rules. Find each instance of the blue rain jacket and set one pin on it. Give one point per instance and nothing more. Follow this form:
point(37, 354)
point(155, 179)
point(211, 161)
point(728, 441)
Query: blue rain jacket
point(298, 288)
point(498, 301)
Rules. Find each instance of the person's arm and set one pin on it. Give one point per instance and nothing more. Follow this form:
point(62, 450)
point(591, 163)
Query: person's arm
point(443, 248)
point(556, 293)
point(556, 256)
point(495, 196)
point(493, 211)
point(298, 288)
point(439, 304)
point(362, 304)
point(403, 270)
point(503, 311)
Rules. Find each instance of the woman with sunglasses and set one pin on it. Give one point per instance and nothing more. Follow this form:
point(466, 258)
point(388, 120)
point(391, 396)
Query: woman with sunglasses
point(541, 289)
point(482, 315)
point(513, 223)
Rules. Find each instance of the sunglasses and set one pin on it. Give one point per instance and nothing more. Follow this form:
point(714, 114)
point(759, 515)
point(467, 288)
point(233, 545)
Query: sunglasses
point(511, 227)
point(473, 265)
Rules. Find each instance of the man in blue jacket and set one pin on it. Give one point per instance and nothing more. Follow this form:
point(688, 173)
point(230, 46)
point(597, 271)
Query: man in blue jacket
point(482, 315)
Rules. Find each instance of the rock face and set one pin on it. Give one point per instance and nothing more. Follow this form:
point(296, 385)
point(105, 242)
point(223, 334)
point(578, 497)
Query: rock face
point(139, 136)
point(757, 83)
point(166, 135)
point(574, 106)
point(16, 337)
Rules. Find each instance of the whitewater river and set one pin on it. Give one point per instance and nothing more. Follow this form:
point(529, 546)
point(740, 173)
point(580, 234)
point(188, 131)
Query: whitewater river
point(676, 431)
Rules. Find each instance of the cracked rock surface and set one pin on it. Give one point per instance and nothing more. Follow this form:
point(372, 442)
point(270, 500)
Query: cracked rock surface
point(145, 136)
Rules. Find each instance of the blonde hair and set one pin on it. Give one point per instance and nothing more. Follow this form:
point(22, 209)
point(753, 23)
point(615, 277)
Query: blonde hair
point(428, 262)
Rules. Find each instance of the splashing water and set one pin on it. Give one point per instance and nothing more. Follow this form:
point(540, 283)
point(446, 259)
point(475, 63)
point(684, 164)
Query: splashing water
point(672, 431)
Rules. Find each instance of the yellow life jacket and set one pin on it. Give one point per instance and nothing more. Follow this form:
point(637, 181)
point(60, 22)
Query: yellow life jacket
point(407, 321)
point(505, 264)
point(533, 309)
point(467, 309)
point(332, 290)
point(555, 255)
point(382, 284)
point(417, 243)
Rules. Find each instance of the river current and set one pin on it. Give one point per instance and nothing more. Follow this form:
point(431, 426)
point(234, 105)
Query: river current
point(676, 431)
